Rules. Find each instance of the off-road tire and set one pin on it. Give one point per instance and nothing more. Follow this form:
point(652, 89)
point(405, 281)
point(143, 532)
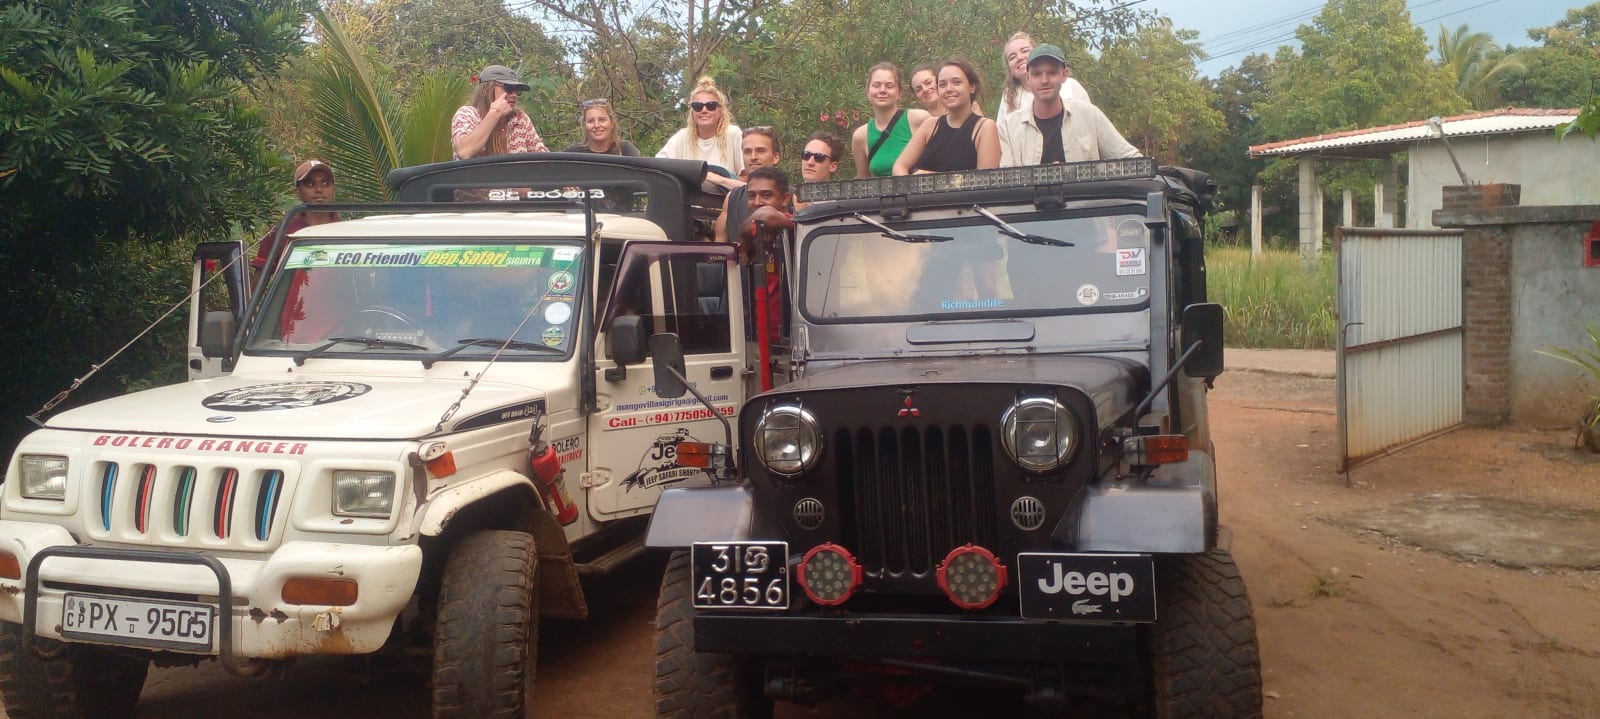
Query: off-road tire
point(486, 634)
point(61, 680)
point(692, 685)
point(1203, 655)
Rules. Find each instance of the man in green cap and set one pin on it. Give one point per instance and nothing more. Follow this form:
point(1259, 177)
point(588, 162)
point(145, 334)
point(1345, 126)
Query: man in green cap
point(1056, 130)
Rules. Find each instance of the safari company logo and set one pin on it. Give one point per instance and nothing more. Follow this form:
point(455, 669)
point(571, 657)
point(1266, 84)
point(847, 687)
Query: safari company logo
point(283, 395)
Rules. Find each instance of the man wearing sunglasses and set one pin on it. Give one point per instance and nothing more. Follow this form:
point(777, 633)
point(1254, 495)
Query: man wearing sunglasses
point(760, 148)
point(492, 124)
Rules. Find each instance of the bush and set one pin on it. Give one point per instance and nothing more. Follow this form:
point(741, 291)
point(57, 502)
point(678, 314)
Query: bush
point(1273, 303)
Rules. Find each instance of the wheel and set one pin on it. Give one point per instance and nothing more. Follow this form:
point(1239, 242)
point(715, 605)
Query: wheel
point(66, 681)
point(691, 685)
point(486, 633)
point(1203, 654)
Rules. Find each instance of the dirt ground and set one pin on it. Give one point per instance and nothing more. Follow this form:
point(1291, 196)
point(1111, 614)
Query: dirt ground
point(1352, 623)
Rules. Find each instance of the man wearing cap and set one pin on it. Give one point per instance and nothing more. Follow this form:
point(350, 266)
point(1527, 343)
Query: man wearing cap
point(1054, 130)
point(313, 184)
point(492, 124)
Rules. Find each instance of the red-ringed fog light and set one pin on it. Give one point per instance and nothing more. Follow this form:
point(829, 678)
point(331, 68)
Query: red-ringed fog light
point(972, 577)
point(316, 590)
point(829, 574)
point(10, 568)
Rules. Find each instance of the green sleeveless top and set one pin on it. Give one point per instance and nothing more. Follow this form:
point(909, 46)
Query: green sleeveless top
point(882, 164)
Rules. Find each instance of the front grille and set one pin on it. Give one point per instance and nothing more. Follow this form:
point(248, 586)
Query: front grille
point(145, 503)
point(915, 494)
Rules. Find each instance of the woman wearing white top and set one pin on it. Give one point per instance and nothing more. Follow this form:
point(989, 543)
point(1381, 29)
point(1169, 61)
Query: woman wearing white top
point(709, 135)
point(1016, 95)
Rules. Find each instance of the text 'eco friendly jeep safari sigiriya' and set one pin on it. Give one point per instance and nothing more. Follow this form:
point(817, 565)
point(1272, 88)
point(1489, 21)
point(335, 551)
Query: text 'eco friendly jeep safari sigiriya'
point(993, 465)
point(417, 443)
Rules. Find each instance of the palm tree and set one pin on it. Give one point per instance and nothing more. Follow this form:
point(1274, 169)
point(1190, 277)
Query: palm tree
point(364, 130)
point(1477, 65)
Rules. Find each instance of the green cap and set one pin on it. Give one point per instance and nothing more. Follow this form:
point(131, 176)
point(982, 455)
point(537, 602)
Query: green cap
point(1047, 51)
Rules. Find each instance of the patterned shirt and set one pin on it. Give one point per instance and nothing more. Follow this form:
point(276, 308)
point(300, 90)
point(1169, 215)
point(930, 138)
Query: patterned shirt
point(520, 133)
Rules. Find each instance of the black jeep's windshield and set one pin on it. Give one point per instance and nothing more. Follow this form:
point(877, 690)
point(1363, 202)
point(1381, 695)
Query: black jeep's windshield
point(859, 274)
point(416, 300)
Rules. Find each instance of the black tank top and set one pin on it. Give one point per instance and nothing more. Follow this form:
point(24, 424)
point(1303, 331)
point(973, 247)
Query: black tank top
point(951, 148)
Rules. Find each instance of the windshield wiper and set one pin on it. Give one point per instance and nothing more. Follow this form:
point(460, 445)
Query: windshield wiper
point(300, 359)
point(898, 235)
point(1014, 233)
point(489, 342)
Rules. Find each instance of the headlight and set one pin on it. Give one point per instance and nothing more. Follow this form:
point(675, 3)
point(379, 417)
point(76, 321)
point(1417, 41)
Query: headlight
point(1038, 434)
point(358, 493)
point(787, 440)
point(44, 476)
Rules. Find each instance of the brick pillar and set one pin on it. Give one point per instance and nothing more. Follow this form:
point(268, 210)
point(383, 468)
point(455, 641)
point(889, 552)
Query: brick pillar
point(1486, 302)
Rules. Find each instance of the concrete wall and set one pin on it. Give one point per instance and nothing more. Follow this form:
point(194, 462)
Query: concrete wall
point(1551, 172)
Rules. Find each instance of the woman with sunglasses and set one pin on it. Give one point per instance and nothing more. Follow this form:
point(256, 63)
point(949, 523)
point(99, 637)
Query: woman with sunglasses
point(877, 143)
point(962, 139)
point(493, 124)
point(601, 136)
point(709, 135)
point(819, 160)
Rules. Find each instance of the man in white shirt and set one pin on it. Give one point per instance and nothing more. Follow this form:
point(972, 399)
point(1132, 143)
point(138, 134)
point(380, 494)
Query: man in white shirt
point(1055, 130)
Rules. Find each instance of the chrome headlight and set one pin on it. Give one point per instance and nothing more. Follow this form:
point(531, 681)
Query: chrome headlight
point(363, 493)
point(44, 476)
point(1038, 433)
point(787, 440)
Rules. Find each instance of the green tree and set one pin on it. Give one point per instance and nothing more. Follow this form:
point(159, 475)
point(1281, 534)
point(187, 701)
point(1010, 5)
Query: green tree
point(1565, 70)
point(1480, 68)
point(1237, 94)
point(1160, 103)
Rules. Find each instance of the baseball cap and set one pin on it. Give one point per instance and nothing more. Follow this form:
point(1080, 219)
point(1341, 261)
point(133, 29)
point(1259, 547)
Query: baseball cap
point(308, 166)
point(504, 76)
point(1047, 51)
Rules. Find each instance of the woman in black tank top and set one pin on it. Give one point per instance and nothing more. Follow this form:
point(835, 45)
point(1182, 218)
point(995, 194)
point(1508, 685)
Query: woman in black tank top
point(962, 139)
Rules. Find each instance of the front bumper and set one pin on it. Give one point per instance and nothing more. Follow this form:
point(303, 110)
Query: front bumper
point(916, 636)
point(260, 624)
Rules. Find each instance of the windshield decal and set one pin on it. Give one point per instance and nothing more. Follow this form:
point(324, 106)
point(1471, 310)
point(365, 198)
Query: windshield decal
point(283, 395)
point(420, 256)
point(962, 305)
point(1130, 261)
point(1131, 295)
point(1088, 295)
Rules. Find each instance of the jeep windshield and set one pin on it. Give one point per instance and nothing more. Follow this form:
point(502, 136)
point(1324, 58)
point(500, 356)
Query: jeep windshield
point(423, 301)
point(855, 272)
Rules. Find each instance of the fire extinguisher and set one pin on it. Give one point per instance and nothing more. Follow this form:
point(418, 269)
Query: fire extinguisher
point(551, 479)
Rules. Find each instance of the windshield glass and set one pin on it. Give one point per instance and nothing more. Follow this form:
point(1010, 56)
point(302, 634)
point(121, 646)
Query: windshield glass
point(857, 273)
point(421, 299)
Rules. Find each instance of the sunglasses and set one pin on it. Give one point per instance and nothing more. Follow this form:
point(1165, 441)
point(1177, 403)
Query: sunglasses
point(597, 102)
point(711, 106)
point(513, 88)
point(818, 156)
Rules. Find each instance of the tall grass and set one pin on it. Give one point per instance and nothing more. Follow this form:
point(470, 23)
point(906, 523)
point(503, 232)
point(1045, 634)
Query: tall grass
point(1273, 303)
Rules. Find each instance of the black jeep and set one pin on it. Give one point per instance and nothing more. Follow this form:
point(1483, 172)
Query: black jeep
point(993, 462)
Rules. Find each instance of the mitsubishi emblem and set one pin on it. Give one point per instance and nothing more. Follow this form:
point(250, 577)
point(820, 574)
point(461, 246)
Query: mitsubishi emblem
point(908, 410)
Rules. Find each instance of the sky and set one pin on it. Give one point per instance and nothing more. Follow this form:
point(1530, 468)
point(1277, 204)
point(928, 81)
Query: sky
point(1231, 29)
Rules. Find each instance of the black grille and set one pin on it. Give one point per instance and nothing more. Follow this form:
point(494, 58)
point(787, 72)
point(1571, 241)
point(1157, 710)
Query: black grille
point(915, 494)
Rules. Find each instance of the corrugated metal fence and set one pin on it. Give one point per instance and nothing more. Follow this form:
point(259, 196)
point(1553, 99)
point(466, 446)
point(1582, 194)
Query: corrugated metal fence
point(1399, 350)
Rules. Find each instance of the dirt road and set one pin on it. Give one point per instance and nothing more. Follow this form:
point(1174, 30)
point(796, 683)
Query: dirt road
point(1350, 624)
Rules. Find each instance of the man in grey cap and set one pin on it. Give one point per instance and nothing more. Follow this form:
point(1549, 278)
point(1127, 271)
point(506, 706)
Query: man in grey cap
point(493, 124)
point(1054, 130)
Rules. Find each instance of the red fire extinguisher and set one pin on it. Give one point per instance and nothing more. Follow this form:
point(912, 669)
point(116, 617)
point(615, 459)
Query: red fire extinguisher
point(551, 479)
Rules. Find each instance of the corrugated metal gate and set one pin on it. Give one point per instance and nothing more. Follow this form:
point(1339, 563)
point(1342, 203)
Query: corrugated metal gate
point(1400, 345)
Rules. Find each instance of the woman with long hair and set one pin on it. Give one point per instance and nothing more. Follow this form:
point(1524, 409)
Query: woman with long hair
point(877, 143)
point(601, 136)
point(925, 87)
point(493, 124)
point(709, 134)
point(1016, 95)
point(962, 139)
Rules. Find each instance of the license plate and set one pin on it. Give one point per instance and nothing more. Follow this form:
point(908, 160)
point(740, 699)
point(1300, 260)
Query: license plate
point(129, 621)
point(1087, 587)
point(740, 575)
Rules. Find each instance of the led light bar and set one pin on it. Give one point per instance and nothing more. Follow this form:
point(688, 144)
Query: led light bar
point(1132, 168)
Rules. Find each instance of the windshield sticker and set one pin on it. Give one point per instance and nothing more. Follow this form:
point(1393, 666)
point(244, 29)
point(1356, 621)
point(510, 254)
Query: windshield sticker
point(553, 336)
point(558, 313)
point(1130, 233)
point(501, 415)
point(566, 254)
point(971, 304)
point(421, 256)
point(236, 446)
point(1130, 261)
point(1130, 295)
point(283, 395)
point(561, 283)
point(659, 465)
point(1088, 295)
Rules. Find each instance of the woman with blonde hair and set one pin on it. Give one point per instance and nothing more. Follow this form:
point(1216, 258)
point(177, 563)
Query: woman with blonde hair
point(877, 143)
point(709, 134)
point(1016, 95)
point(601, 136)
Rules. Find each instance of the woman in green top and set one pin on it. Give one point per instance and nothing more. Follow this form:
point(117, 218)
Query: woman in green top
point(878, 143)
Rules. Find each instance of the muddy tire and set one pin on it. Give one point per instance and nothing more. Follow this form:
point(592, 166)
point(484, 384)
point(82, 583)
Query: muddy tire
point(690, 685)
point(61, 680)
point(486, 634)
point(1203, 654)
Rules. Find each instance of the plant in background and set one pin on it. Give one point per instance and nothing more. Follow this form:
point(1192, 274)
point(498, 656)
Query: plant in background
point(1589, 359)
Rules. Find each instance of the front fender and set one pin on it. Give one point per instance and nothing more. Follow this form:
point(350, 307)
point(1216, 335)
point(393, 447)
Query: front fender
point(445, 503)
point(687, 515)
point(1174, 512)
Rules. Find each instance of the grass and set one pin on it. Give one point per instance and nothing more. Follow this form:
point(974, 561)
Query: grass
point(1273, 303)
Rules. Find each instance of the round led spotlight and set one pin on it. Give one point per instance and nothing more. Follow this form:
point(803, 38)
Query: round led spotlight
point(971, 576)
point(829, 574)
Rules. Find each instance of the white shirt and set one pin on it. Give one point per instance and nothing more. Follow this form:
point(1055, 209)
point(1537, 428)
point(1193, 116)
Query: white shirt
point(1086, 134)
point(729, 155)
point(1070, 90)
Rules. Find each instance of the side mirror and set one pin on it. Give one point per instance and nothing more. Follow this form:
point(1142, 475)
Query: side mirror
point(216, 334)
point(627, 339)
point(666, 351)
point(1203, 323)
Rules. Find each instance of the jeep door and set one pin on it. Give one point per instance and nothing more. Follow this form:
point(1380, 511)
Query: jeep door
point(692, 290)
point(217, 298)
